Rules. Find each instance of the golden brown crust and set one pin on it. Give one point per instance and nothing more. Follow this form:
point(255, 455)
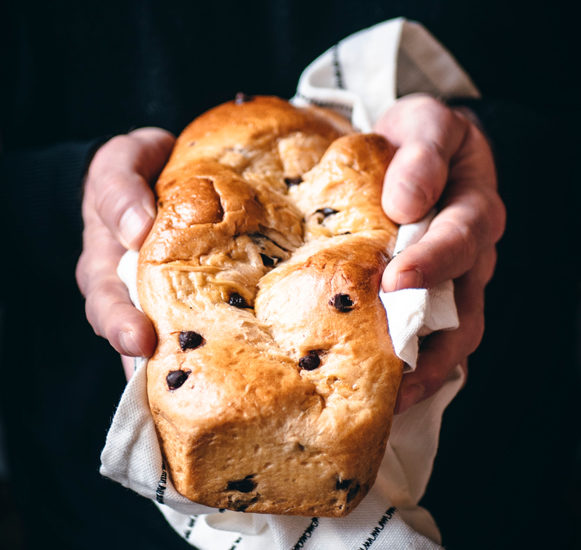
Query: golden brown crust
point(274, 380)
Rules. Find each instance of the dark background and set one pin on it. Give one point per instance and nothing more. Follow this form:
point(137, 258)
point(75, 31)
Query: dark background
point(508, 471)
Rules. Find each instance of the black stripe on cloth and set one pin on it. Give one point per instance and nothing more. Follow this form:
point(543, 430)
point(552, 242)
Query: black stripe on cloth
point(307, 534)
point(375, 532)
point(191, 524)
point(337, 68)
point(235, 543)
point(161, 485)
point(347, 109)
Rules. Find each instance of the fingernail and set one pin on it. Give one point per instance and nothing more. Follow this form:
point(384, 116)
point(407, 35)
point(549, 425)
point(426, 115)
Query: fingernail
point(410, 396)
point(411, 278)
point(150, 209)
point(130, 344)
point(132, 224)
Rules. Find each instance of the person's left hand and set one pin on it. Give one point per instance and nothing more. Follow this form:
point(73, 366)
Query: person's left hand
point(444, 159)
point(118, 212)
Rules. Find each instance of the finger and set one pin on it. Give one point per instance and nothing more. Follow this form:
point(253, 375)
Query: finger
point(101, 253)
point(128, 366)
point(473, 162)
point(108, 307)
point(119, 182)
point(442, 351)
point(112, 315)
point(157, 145)
point(471, 220)
point(428, 134)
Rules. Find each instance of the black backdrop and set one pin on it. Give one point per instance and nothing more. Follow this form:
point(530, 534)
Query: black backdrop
point(72, 73)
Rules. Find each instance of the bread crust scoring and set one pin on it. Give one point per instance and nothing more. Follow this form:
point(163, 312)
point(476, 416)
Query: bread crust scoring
point(261, 276)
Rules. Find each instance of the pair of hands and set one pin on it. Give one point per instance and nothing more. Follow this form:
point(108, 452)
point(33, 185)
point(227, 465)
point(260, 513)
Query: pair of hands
point(442, 158)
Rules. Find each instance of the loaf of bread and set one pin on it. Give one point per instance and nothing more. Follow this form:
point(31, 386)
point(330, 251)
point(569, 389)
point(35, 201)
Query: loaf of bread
point(274, 380)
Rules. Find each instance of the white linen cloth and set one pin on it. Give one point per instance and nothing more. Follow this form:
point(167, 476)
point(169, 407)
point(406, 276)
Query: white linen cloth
point(361, 76)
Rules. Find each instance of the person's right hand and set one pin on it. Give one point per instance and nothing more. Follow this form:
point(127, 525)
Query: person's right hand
point(118, 212)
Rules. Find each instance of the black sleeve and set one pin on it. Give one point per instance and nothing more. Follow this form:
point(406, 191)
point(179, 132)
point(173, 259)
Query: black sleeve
point(516, 418)
point(534, 150)
point(43, 190)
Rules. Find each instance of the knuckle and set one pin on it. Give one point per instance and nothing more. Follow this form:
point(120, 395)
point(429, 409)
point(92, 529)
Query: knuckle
point(447, 118)
point(476, 135)
point(484, 268)
point(153, 133)
point(425, 158)
point(435, 151)
point(102, 311)
point(98, 298)
point(80, 272)
point(468, 240)
point(464, 120)
point(477, 334)
point(433, 109)
point(113, 198)
point(498, 210)
point(491, 213)
point(92, 314)
point(104, 290)
point(120, 141)
point(487, 221)
point(112, 182)
point(465, 239)
point(424, 102)
point(475, 326)
point(434, 378)
point(103, 154)
point(429, 150)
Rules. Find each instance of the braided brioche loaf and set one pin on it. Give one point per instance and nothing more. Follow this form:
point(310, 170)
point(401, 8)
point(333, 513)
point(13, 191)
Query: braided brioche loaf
point(274, 380)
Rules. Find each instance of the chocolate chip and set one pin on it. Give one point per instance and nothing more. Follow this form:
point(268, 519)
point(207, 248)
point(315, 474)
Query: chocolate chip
point(310, 361)
point(326, 211)
point(242, 98)
point(242, 485)
point(342, 302)
point(343, 484)
point(293, 181)
point(176, 378)
point(238, 301)
point(241, 505)
point(353, 492)
point(269, 261)
point(189, 339)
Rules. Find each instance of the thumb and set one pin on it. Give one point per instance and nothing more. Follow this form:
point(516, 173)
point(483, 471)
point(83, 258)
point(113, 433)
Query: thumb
point(118, 182)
